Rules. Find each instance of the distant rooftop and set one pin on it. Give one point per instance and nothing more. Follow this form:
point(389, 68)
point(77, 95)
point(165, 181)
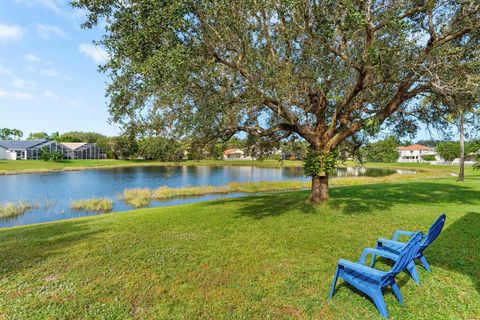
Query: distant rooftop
point(21, 144)
point(233, 150)
point(414, 147)
point(73, 145)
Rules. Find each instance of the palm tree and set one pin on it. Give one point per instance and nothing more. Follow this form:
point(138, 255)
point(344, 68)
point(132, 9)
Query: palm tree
point(16, 133)
point(5, 133)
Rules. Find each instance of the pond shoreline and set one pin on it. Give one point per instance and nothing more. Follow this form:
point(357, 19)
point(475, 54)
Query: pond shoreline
point(169, 197)
point(249, 189)
point(188, 163)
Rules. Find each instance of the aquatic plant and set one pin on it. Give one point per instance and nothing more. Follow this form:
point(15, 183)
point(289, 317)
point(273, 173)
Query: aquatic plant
point(137, 198)
point(11, 209)
point(168, 193)
point(94, 204)
point(142, 197)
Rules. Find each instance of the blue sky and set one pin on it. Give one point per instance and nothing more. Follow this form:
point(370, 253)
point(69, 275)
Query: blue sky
point(48, 69)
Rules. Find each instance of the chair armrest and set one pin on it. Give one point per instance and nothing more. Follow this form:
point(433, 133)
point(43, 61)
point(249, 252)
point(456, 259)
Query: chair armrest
point(360, 268)
point(377, 252)
point(397, 233)
point(393, 242)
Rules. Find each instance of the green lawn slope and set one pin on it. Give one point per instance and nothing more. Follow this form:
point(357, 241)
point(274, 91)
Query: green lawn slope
point(264, 257)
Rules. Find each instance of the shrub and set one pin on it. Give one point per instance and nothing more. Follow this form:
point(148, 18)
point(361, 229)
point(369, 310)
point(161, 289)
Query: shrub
point(429, 158)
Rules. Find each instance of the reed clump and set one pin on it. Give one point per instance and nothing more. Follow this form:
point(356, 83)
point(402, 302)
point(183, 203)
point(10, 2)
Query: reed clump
point(11, 209)
point(142, 197)
point(165, 192)
point(94, 204)
point(138, 197)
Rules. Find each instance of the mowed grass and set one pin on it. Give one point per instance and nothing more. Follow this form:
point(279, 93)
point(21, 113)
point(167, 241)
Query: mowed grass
point(264, 257)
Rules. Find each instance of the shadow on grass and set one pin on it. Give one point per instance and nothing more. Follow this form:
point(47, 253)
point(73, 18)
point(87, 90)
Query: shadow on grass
point(365, 198)
point(27, 247)
point(458, 248)
point(357, 199)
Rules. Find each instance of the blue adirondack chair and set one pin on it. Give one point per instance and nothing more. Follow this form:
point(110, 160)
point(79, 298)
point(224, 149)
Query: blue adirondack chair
point(394, 246)
point(371, 281)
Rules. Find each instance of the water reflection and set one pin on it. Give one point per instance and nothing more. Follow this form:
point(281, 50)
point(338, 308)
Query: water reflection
point(60, 188)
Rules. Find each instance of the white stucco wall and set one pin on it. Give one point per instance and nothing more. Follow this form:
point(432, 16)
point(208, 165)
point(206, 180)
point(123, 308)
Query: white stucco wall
point(6, 154)
point(10, 155)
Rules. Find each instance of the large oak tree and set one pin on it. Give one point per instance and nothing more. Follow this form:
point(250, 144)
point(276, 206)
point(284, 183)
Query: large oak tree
point(323, 70)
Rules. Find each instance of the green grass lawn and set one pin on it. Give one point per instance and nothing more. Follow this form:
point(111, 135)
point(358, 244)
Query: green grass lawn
point(34, 166)
point(264, 257)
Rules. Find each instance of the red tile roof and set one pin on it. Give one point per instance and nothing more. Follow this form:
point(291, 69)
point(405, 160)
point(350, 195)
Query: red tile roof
point(230, 151)
point(414, 147)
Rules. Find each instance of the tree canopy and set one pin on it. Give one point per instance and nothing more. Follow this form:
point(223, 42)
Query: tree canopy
point(38, 136)
point(9, 134)
point(322, 70)
point(384, 150)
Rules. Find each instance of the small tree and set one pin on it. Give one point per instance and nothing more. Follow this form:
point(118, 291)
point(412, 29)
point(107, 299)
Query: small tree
point(45, 153)
point(56, 156)
point(123, 147)
point(382, 151)
point(159, 148)
point(476, 165)
point(448, 150)
point(38, 136)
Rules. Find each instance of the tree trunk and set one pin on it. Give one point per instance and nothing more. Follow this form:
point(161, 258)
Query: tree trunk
point(319, 189)
point(461, 174)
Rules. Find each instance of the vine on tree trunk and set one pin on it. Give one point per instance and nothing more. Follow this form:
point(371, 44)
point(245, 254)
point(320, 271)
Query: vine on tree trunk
point(320, 163)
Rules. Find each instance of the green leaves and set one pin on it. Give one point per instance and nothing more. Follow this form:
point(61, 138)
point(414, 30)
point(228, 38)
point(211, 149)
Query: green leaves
point(382, 151)
point(371, 126)
point(321, 70)
point(318, 163)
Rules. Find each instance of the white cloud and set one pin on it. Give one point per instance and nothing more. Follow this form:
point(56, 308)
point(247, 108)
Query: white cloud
point(50, 95)
point(60, 8)
point(97, 54)
point(51, 5)
point(10, 32)
point(19, 95)
point(22, 95)
point(18, 83)
point(50, 72)
point(5, 71)
point(45, 31)
point(30, 57)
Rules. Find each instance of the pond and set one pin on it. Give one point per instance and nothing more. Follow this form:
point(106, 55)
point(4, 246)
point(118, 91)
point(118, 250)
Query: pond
point(53, 192)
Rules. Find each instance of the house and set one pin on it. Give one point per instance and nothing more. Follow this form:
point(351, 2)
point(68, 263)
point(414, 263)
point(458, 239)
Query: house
point(470, 158)
point(22, 149)
point(81, 150)
point(233, 154)
point(6, 154)
point(415, 153)
point(31, 149)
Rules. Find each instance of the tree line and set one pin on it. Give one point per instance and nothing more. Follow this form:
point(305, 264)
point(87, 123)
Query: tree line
point(386, 150)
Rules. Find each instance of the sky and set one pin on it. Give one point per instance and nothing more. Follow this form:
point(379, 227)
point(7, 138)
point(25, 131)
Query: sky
point(48, 69)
